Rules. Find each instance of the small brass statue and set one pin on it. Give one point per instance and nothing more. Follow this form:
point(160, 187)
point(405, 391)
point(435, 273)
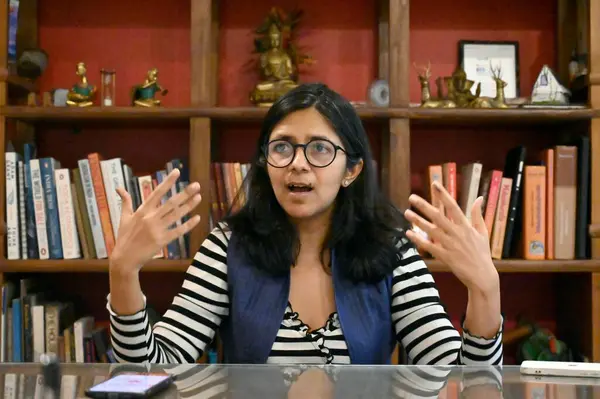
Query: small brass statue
point(458, 89)
point(82, 93)
point(143, 95)
point(426, 100)
point(499, 101)
point(279, 59)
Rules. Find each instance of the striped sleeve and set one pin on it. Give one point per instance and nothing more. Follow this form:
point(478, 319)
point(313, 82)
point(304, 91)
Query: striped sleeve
point(424, 328)
point(191, 321)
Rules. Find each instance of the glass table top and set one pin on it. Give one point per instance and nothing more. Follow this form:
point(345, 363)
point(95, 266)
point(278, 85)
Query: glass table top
point(297, 381)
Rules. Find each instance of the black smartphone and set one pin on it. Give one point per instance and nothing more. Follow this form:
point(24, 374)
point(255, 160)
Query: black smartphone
point(131, 385)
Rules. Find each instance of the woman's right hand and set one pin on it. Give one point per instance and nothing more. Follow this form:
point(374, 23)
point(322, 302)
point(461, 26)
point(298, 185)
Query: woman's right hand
point(150, 228)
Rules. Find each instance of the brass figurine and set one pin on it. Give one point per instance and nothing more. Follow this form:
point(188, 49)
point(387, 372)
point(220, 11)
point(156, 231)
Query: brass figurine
point(426, 100)
point(458, 89)
point(82, 93)
point(499, 101)
point(279, 59)
point(143, 95)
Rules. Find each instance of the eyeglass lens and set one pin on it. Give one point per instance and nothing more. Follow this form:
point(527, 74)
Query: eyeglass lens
point(318, 152)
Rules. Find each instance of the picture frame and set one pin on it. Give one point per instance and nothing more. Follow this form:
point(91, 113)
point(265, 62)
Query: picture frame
point(476, 56)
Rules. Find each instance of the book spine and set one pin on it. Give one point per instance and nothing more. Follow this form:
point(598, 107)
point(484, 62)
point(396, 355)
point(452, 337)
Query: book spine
point(66, 214)
point(548, 157)
point(47, 168)
point(40, 209)
point(81, 236)
point(492, 200)
point(32, 244)
point(565, 201)
point(112, 176)
point(13, 237)
point(534, 213)
point(92, 208)
point(501, 218)
point(87, 238)
point(103, 211)
point(22, 211)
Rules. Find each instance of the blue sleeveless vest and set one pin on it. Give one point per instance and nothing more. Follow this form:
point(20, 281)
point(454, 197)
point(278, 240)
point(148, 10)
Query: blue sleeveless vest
point(258, 300)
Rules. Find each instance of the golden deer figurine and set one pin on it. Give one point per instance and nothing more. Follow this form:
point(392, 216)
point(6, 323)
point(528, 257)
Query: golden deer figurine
point(499, 100)
point(424, 73)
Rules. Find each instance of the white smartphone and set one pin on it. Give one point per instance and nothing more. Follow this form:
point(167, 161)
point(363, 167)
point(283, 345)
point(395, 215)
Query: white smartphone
point(130, 386)
point(560, 369)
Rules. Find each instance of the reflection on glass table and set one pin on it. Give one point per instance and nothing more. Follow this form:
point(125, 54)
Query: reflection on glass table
point(296, 381)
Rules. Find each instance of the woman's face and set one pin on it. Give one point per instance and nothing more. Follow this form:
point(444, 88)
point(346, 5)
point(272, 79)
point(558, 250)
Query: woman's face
point(304, 190)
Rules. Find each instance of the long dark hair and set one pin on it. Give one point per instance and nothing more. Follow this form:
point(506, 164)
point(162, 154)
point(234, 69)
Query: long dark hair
point(366, 228)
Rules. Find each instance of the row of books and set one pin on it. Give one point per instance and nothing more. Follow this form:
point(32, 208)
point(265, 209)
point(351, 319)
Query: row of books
point(227, 178)
point(36, 321)
point(59, 213)
point(532, 210)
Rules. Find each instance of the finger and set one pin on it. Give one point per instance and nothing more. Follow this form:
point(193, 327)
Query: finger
point(180, 198)
point(182, 229)
point(431, 212)
point(450, 205)
point(126, 203)
point(161, 190)
point(477, 217)
point(179, 212)
point(426, 245)
point(434, 233)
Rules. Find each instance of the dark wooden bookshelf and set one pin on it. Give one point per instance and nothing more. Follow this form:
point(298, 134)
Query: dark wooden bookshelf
point(532, 266)
point(86, 265)
point(181, 265)
point(21, 85)
point(203, 47)
point(242, 114)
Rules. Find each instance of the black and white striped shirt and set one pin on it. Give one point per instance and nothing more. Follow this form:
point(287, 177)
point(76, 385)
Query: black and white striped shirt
point(189, 325)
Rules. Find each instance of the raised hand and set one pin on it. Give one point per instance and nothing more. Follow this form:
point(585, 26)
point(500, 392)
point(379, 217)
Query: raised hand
point(461, 244)
point(147, 230)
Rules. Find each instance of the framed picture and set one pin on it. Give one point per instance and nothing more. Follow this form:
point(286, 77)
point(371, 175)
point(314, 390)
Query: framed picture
point(477, 58)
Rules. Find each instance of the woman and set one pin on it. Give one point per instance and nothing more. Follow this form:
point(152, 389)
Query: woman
point(316, 267)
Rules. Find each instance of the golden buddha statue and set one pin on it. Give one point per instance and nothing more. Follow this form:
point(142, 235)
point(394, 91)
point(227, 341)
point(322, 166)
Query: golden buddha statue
point(277, 71)
point(143, 95)
point(82, 93)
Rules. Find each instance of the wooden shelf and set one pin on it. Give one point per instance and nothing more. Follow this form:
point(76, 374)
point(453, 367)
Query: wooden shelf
point(86, 265)
point(532, 266)
point(95, 113)
point(500, 116)
point(241, 114)
point(21, 85)
point(179, 266)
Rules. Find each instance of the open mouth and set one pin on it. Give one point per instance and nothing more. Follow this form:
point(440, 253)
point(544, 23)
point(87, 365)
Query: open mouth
point(299, 188)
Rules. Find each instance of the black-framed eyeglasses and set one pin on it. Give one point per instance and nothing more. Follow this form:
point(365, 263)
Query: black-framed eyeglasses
point(318, 152)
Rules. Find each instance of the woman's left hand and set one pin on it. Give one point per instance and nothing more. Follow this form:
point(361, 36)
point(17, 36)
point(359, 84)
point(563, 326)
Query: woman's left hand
point(461, 244)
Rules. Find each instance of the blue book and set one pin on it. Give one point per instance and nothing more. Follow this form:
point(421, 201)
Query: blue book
point(32, 244)
point(47, 168)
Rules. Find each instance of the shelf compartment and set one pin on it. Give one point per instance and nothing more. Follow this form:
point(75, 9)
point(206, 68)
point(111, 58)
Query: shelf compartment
point(531, 266)
point(86, 265)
